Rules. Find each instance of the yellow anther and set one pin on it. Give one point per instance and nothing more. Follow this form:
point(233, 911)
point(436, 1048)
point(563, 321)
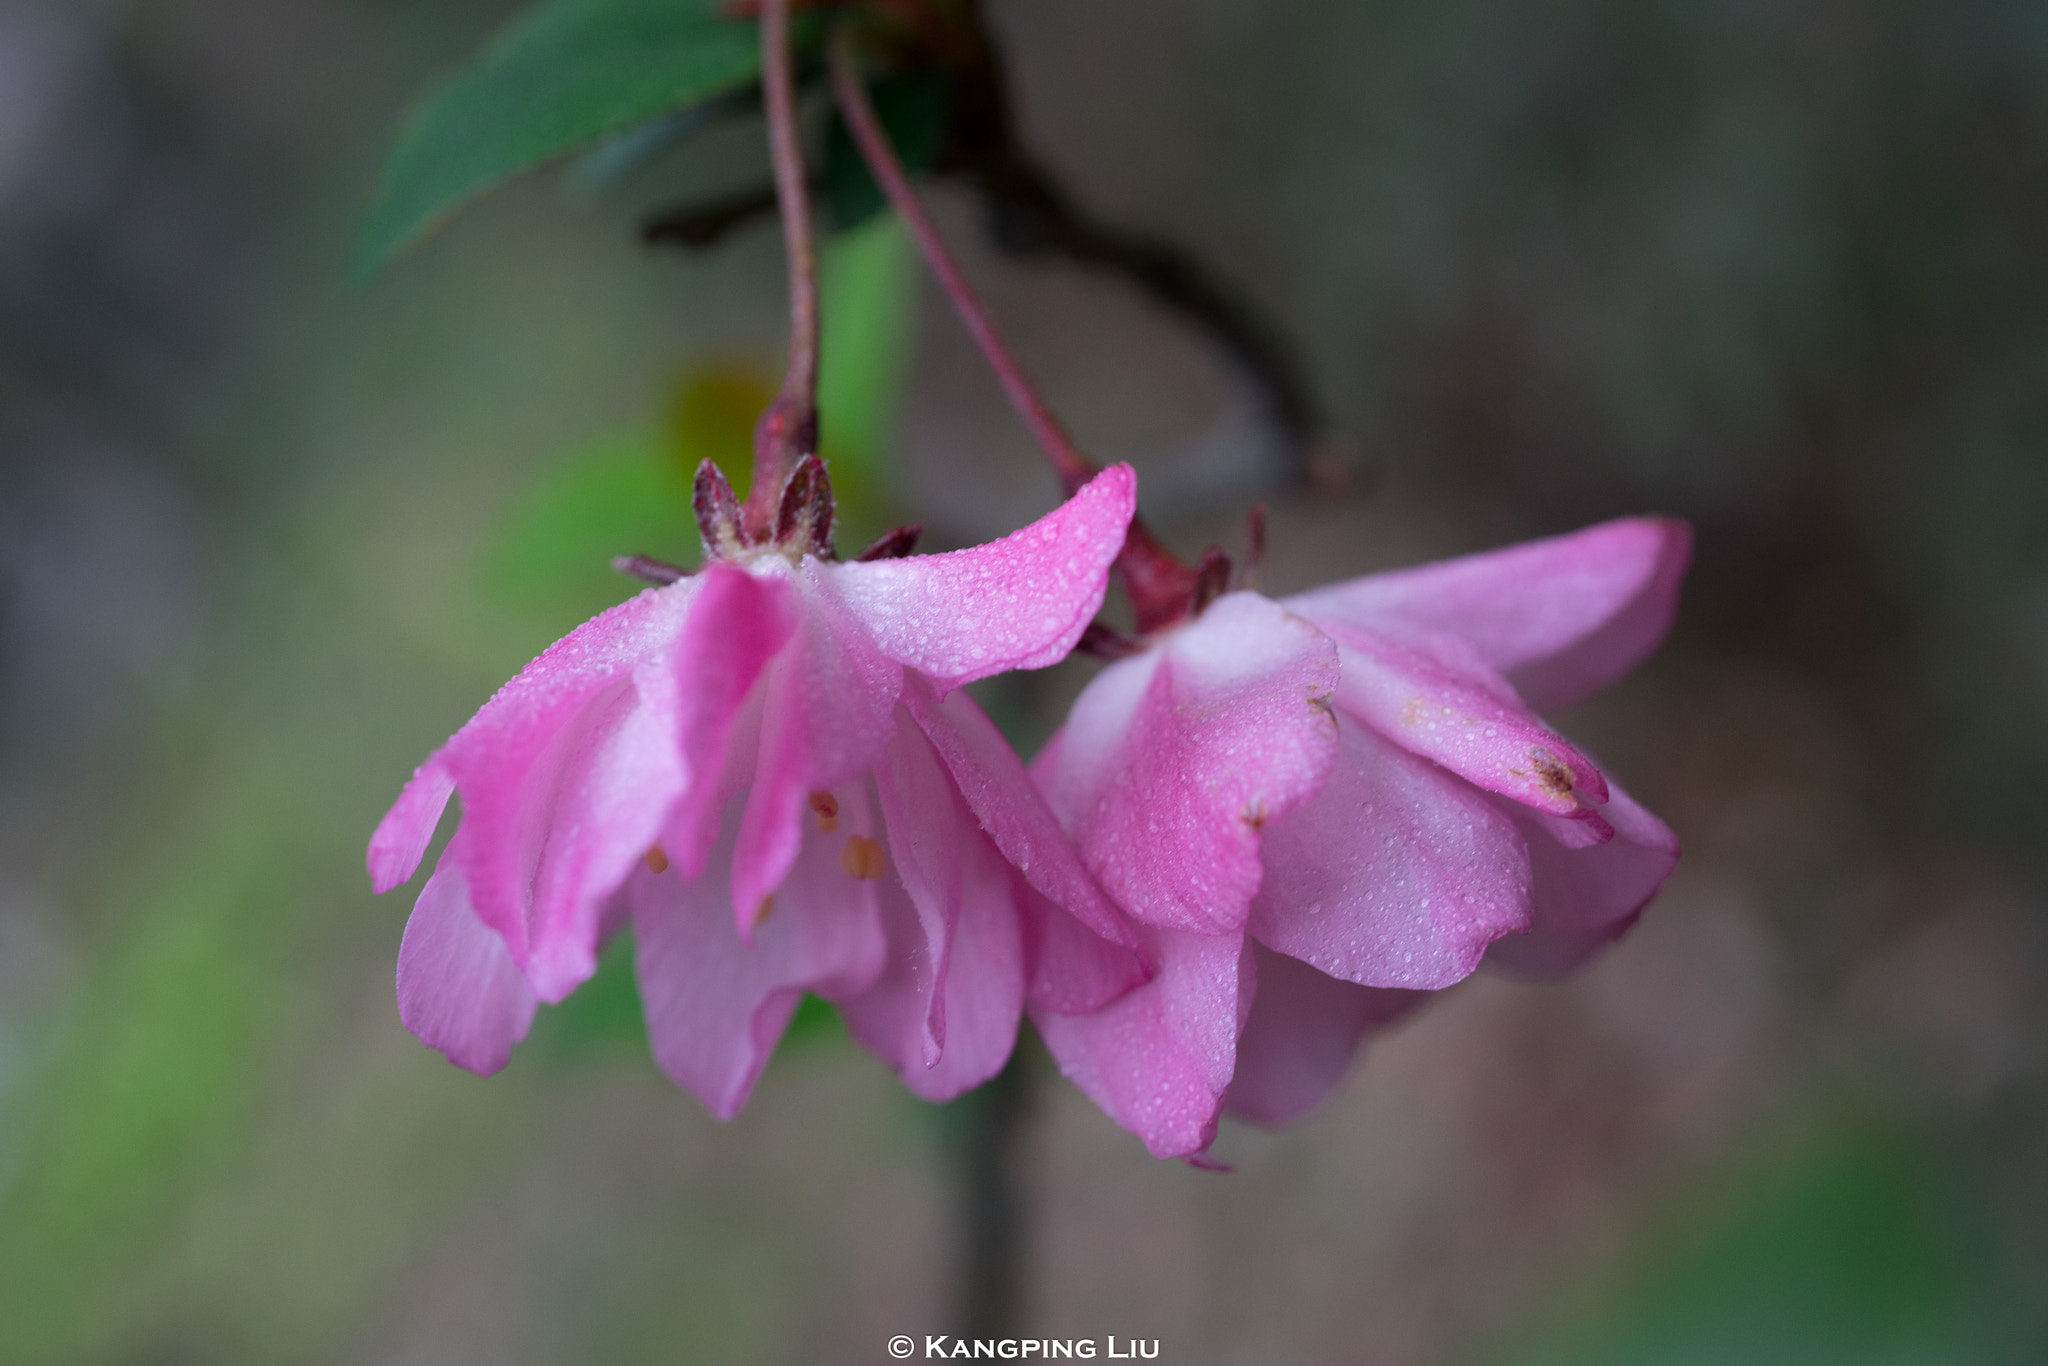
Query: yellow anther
point(656, 861)
point(862, 858)
point(827, 807)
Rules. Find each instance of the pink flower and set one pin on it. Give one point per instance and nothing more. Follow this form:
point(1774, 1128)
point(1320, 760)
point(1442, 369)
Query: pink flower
point(760, 768)
point(1319, 809)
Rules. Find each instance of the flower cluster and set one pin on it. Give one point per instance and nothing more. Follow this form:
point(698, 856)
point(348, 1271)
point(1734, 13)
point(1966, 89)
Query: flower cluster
point(1322, 808)
point(1275, 826)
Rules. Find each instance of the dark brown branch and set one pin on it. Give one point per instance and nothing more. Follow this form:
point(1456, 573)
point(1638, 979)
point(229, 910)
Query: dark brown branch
point(1035, 218)
point(1031, 214)
point(698, 226)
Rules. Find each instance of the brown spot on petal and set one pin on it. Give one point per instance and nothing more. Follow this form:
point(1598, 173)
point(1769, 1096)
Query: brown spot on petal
point(827, 808)
point(765, 909)
point(862, 858)
point(1551, 775)
point(655, 859)
point(1254, 814)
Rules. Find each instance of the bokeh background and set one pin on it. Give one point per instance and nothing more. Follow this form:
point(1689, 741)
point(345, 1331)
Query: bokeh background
point(1779, 268)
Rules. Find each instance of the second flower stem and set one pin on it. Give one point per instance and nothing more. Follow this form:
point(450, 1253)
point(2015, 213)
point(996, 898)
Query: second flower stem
point(866, 129)
point(1161, 588)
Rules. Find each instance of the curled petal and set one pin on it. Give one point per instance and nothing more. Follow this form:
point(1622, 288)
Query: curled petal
point(1071, 969)
point(944, 1012)
point(1585, 898)
point(741, 623)
point(1000, 793)
point(1395, 874)
point(1470, 723)
point(1300, 1038)
point(564, 777)
point(403, 835)
point(458, 989)
point(1172, 761)
point(496, 748)
point(716, 1006)
point(1017, 603)
point(1560, 617)
point(827, 712)
point(1159, 1058)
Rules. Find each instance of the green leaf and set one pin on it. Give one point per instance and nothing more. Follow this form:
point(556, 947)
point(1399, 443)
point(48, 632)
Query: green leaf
point(565, 74)
point(1852, 1248)
point(616, 495)
point(868, 283)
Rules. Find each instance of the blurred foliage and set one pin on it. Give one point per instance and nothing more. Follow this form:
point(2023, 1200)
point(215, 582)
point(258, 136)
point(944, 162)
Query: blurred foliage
point(1859, 1245)
point(550, 561)
point(566, 74)
point(1774, 268)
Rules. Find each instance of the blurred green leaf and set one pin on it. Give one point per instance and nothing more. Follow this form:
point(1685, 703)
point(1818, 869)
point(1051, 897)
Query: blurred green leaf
point(1849, 1251)
point(868, 287)
point(711, 416)
point(913, 110)
point(156, 1075)
point(601, 1015)
point(562, 76)
point(618, 495)
point(816, 1020)
point(604, 1015)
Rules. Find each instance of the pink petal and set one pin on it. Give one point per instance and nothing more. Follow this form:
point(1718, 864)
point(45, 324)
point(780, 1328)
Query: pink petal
point(942, 861)
point(1017, 603)
point(494, 748)
point(1560, 617)
point(1395, 874)
point(944, 1012)
point(401, 838)
point(1468, 721)
point(715, 1006)
point(1009, 806)
point(1303, 1031)
point(553, 771)
point(828, 711)
point(1172, 761)
point(458, 988)
point(591, 805)
point(1159, 1058)
point(1071, 969)
point(740, 624)
point(1585, 898)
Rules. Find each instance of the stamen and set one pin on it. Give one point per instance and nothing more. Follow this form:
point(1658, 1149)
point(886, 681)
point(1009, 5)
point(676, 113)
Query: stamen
point(765, 909)
point(827, 807)
point(656, 861)
point(862, 858)
point(648, 568)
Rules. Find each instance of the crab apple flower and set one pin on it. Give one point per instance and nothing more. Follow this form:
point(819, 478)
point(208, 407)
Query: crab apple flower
point(1322, 808)
point(759, 767)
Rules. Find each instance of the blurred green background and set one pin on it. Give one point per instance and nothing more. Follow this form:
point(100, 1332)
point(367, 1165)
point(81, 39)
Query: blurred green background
point(1779, 268)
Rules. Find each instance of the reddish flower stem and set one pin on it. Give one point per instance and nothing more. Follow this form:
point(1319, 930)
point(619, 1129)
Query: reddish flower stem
point(1162, 589)
point(788, 429)
point(1073, 469)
